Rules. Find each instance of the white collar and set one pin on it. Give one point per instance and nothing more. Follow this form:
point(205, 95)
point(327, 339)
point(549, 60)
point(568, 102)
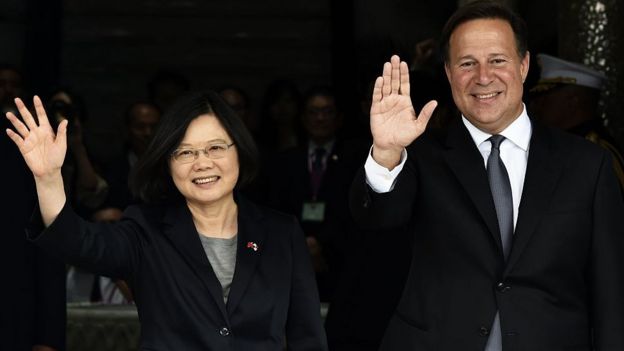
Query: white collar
point(518, 132)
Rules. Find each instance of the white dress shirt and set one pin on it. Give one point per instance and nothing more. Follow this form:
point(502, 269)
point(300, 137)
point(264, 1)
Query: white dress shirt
point(514, 152)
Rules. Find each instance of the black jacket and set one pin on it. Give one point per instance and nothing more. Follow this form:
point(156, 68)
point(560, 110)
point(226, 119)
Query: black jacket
point(273, 299)
point(562, 287)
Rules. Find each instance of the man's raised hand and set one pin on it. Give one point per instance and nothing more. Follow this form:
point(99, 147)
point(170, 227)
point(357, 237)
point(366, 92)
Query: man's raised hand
point(394, 124)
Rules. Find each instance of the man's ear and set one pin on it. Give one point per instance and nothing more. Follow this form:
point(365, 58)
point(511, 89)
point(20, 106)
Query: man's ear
point(524, 66)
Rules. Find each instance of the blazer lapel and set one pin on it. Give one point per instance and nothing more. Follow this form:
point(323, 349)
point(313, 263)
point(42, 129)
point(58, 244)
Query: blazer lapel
point(543, 171)
point(181, 232)
point(467, 164)
point(251, 240)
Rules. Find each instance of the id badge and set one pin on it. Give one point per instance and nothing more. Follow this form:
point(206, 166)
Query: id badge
point(313, 212)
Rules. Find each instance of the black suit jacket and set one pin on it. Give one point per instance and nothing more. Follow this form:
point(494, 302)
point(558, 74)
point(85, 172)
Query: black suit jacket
point(33, 287)
point(272, 302)
point(290, 189)
point(290, 185)
point(563, 285)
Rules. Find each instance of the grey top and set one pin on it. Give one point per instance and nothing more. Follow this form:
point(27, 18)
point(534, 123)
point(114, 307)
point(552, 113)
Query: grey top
point(222, 256)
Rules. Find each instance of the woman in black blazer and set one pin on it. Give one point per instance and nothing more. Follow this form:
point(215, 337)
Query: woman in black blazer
point(208, 269)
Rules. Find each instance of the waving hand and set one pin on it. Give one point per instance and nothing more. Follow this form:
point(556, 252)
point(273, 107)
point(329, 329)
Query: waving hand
point(44, 152)
point(394, 124)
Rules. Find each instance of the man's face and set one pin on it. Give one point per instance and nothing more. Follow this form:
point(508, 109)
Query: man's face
point(141, 126)
point(320, 118)
point(486, 74)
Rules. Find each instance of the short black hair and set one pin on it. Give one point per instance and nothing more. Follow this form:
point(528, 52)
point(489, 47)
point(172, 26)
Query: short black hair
point(151, 179)
point(320, 90)
point(485, 9)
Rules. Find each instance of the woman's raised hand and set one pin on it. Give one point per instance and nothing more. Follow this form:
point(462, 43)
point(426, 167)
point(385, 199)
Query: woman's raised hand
point(42, 149)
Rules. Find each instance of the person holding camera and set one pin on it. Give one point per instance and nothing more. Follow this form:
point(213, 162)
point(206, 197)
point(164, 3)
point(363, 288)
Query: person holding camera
point(84, 187)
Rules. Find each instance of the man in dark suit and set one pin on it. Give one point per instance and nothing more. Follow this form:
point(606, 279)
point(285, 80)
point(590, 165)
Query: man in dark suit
point(312, 181)
point(517, 239)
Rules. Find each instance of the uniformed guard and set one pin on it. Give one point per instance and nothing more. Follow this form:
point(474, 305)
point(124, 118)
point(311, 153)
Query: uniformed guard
point(567, 96)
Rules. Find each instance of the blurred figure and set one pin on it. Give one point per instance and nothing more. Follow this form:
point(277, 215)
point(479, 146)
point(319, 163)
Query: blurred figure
point(141, 119)
point(567, 97)
point(279, 127)
point(33, 295)
point(311, 181)
point(240, 102)
point(85, 189)
point(165, 87)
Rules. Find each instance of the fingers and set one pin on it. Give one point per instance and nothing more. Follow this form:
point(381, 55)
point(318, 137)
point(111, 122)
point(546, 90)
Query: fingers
point(41, 113)
point(404, 78)
point(15, 137)
point(26, 116)
point(387, 78)
point(426, 112)
point(18, 125)
point(61, 134)
point(377, 95)
point(395, 76)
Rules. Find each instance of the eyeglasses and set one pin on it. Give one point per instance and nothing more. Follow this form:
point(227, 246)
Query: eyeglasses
point(212, 151)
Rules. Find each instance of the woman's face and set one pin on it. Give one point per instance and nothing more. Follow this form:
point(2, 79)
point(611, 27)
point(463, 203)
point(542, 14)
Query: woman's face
point(205, 180)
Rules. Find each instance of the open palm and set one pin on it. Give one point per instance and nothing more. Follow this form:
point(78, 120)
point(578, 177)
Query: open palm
point(42, 150)
point(394, 124)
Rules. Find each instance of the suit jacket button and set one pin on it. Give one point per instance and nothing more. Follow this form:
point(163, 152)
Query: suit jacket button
point(483, 331)
point(224, 331)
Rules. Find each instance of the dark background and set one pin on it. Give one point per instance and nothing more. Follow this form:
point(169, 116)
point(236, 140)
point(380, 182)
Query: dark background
point(107, 50)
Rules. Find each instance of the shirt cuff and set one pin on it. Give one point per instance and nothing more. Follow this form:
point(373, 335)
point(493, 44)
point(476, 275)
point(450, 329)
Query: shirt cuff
point(378, 177)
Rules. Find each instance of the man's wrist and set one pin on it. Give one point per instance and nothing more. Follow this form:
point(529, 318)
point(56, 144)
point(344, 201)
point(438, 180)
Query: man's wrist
point(387, 158)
